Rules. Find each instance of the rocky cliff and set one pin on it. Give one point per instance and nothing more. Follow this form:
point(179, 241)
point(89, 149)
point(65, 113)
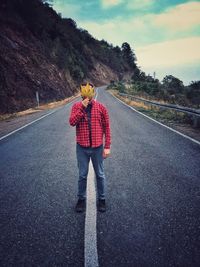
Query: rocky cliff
point(40, 51)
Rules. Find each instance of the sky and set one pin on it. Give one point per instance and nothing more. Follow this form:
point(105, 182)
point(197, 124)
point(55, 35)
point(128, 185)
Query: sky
point(164, 34)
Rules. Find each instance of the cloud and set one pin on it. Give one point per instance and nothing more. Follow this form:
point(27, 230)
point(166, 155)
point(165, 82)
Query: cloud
point(108, 30)
point(138, 4)
point(110, 3)
point(181, 17)
point(119, 30)
point(170, 53)
point(178, 22)
point(66, 9)
point(134, 4)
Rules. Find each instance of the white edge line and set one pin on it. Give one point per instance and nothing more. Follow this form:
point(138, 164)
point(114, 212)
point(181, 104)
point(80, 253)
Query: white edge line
point(24, 126)
point(190, 138)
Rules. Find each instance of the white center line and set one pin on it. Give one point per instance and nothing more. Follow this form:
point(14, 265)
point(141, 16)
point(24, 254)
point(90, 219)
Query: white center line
point(91, 254)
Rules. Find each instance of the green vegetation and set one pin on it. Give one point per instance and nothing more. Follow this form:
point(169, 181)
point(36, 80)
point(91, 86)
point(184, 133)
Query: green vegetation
point(171, 89)
point(167, 115)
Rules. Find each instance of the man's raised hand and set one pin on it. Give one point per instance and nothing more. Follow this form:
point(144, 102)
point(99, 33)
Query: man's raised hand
point(85, 102)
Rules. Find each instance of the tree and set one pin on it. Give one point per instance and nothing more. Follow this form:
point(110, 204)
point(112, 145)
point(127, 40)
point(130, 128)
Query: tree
point(129, 55)
point(70, 22)
point(117, 50)
point(193, 92)
point(195, 85)
point(139, 75)
point(48, 2)
point(172, 84)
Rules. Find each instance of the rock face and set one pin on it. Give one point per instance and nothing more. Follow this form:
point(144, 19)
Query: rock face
point(103, 74)
point(24, 70)
point(51, 57)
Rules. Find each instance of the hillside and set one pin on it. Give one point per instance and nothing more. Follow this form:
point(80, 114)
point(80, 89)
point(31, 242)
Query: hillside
point(40, 51)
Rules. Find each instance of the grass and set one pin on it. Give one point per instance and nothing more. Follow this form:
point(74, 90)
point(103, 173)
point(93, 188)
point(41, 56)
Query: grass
point(164, 115)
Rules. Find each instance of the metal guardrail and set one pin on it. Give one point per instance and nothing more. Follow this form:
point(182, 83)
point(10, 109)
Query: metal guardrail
point(194, 112)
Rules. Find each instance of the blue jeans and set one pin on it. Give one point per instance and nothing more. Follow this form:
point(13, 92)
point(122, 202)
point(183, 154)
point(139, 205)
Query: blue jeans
point(83, 158)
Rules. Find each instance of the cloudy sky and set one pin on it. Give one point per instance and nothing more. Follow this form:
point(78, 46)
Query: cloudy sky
point(164, 34)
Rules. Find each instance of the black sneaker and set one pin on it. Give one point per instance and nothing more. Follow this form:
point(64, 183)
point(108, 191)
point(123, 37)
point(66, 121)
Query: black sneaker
point(80, 205)
point(102, 205)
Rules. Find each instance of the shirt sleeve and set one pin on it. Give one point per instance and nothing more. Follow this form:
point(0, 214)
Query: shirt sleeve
point(106, 126)
point(77, 113)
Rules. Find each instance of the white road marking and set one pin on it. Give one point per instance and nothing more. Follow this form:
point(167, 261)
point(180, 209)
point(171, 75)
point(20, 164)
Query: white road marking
point(188, 137)
point(90, 242)
point(24, 126)
point(90, 251)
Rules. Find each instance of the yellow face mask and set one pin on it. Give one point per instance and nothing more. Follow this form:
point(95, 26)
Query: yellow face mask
point(87, 90)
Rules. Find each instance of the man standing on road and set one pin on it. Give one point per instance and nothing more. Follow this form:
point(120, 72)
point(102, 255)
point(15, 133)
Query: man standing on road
point(91, 119)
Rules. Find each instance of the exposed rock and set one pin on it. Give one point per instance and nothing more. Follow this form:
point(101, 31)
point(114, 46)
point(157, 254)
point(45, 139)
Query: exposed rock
point(41, 52)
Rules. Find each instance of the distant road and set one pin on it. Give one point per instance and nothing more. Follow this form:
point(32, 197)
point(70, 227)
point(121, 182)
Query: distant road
point(153, 195)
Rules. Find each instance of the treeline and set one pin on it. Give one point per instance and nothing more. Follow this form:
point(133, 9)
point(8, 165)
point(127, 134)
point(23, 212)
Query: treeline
point(170, 89)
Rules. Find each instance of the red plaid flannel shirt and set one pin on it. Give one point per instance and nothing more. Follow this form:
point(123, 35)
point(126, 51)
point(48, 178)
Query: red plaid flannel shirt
point(100, 124)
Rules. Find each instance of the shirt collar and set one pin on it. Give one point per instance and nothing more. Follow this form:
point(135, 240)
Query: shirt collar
point(92, 101)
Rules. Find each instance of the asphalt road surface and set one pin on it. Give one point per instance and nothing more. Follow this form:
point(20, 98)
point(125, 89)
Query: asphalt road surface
point(153, 194)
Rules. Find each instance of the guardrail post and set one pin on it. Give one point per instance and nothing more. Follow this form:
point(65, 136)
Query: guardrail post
point(37, 98)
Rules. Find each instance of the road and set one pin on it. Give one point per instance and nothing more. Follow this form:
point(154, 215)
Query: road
point(153, 194)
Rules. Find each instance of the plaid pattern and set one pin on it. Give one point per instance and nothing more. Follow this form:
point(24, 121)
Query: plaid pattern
point(100, 125)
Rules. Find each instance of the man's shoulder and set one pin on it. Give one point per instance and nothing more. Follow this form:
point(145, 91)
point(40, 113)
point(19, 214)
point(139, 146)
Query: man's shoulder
point(95, 102)
point(78, 104)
